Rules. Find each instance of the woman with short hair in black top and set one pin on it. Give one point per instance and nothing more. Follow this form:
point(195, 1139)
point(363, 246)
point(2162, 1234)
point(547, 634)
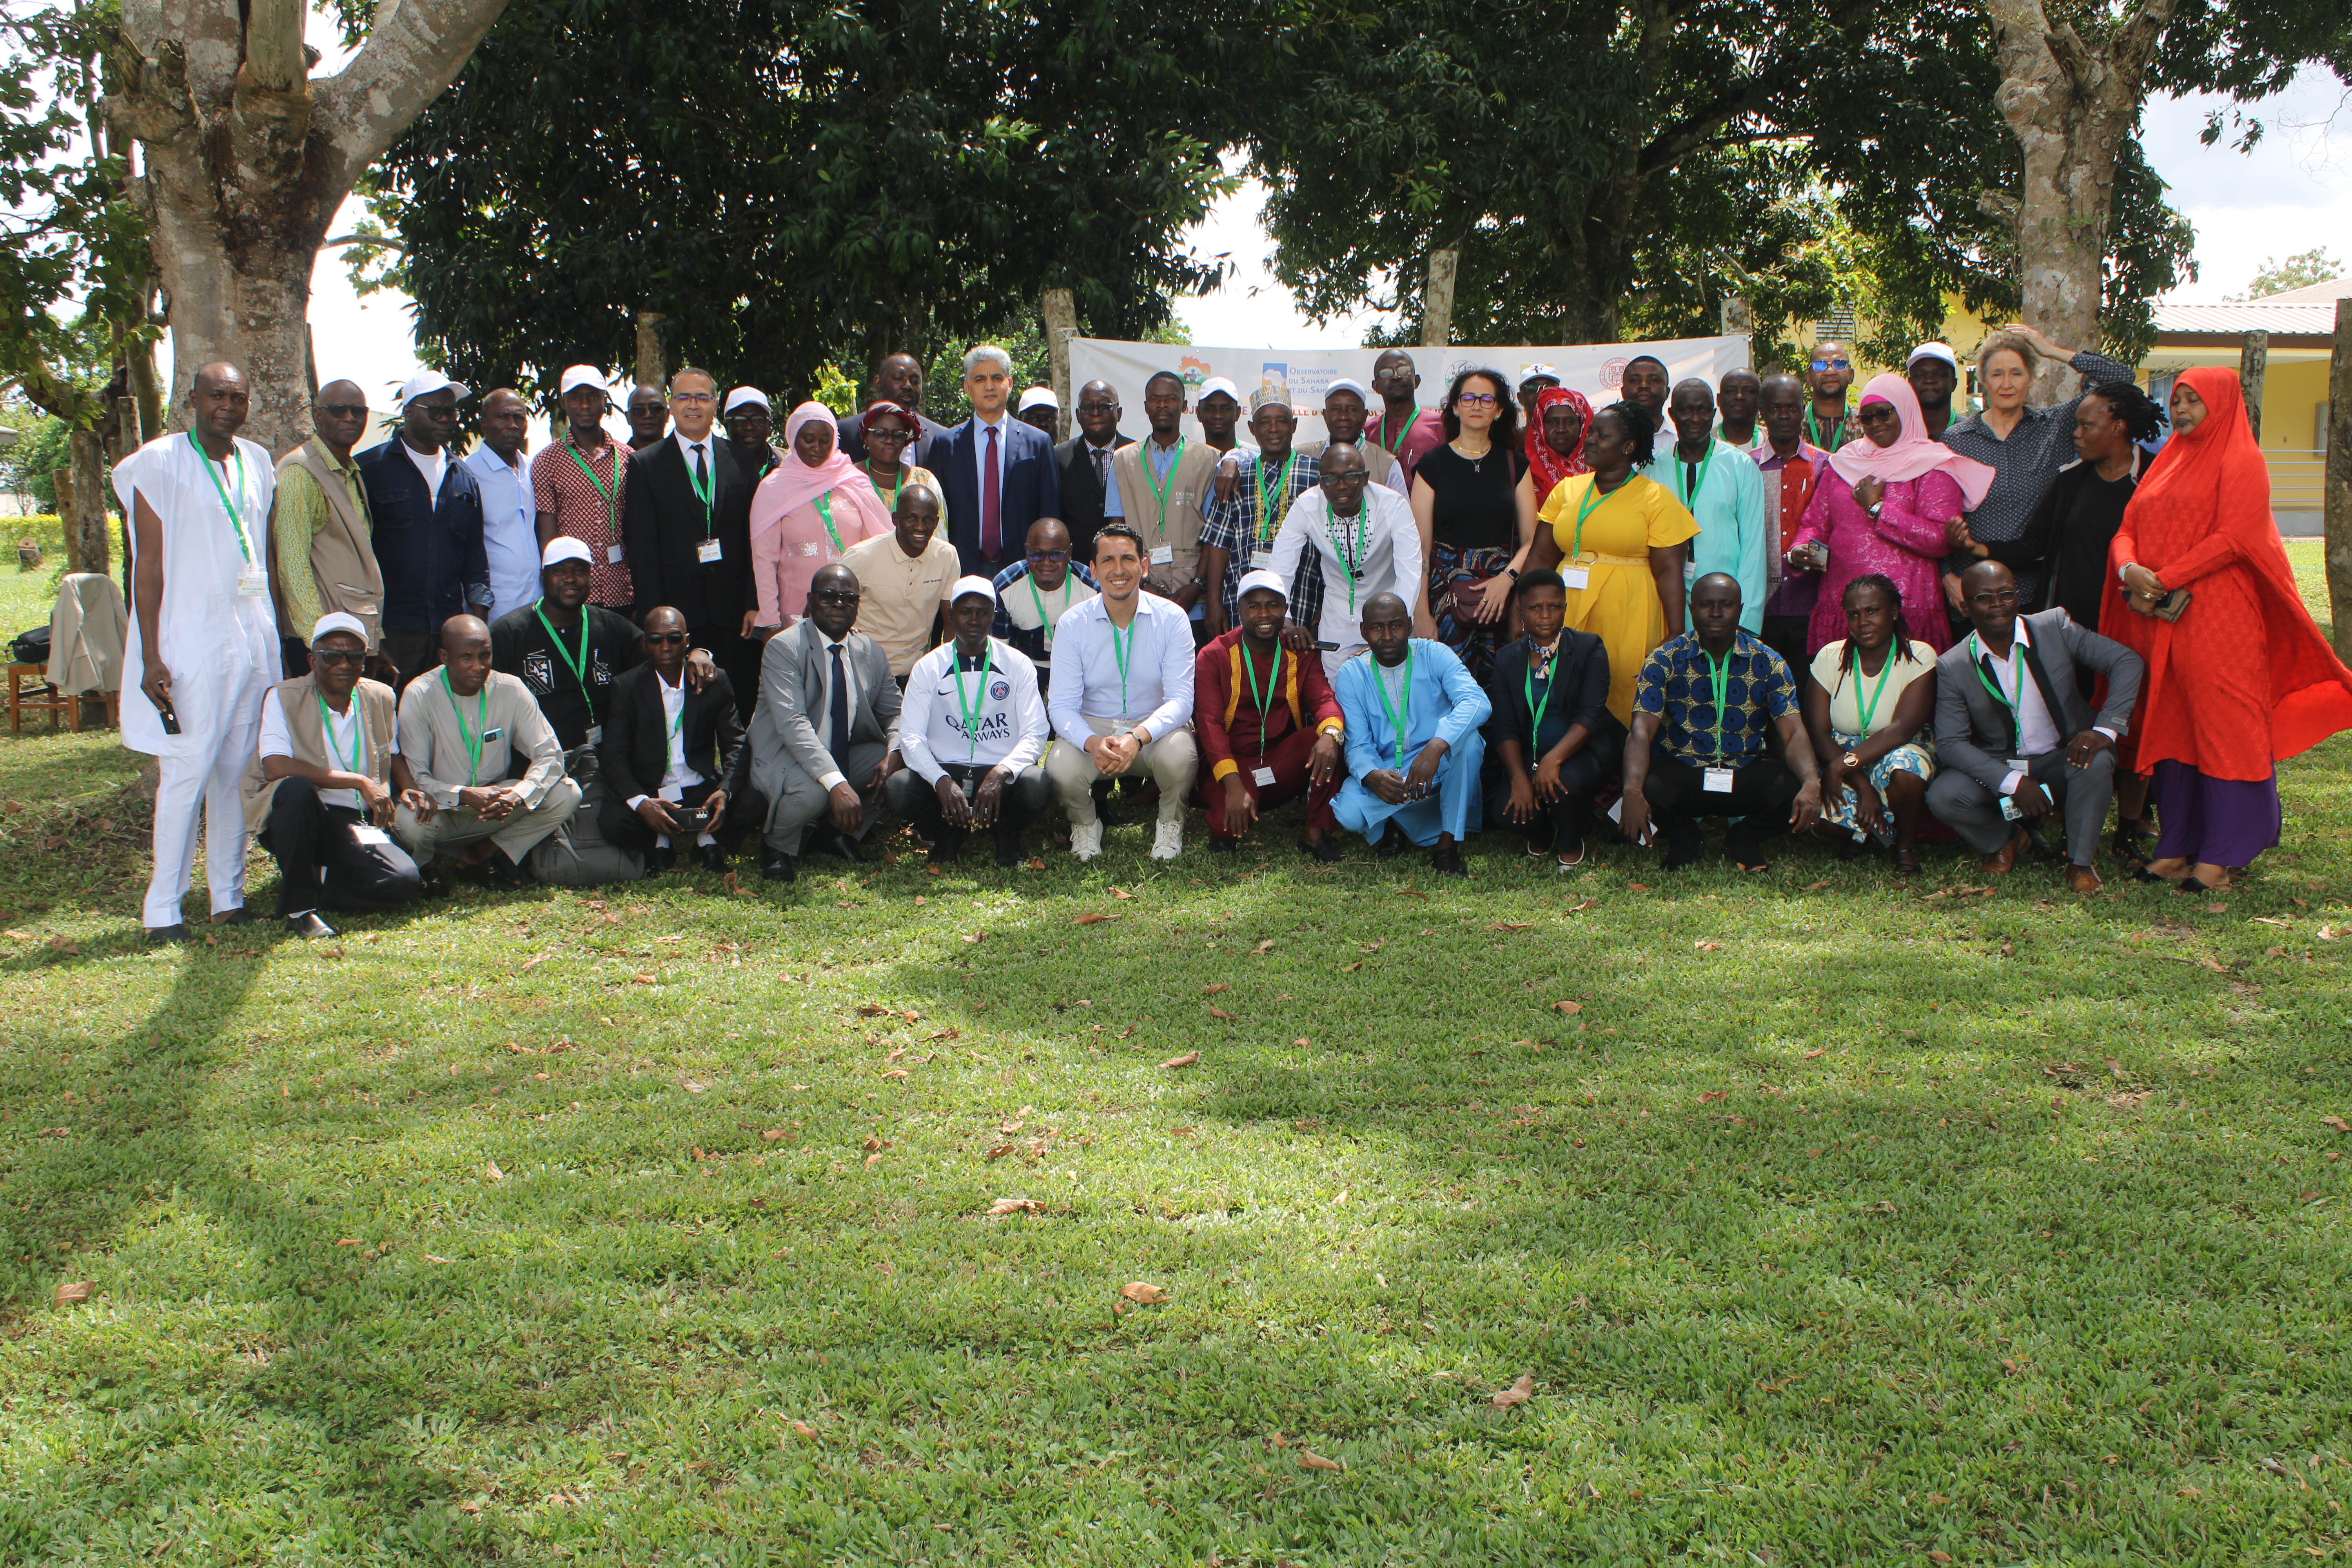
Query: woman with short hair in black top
point(1474, 503)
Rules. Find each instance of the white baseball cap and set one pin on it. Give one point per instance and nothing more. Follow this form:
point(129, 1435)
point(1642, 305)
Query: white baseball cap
point(426, 382)
point(1347, 384)
point(974, 584)
point(743, 394)
point(1038, 397)
point(580, 375)
point(1252, 581)
point(1933, 350)
point(562, 547)
point(1215, 384)
point(339, 621)
point(1529, 372)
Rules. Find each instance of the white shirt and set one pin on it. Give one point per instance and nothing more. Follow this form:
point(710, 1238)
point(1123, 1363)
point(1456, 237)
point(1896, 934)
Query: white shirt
point(2037, 730)
point(1158, 685)
point(707, 447)
point(347, 738)
point(509, 530)
point(1389, 561)
point(432, 465)
point(1012, 729)
point(677, 775)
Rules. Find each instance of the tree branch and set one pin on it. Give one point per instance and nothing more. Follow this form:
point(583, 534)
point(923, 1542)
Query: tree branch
point(415, 51)
point(1688, 135)
point(273, 45)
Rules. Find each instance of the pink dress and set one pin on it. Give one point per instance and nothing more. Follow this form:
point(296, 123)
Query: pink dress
point(1905, 543)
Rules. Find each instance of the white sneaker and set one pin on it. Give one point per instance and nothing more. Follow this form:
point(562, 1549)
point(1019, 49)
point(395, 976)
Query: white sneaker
point(1085, 839)
point(1167, 841)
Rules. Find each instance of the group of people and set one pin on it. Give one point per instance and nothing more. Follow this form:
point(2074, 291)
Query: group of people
point(1856, 617)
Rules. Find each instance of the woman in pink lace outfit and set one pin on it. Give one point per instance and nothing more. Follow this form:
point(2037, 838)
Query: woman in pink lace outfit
point(1883, 508)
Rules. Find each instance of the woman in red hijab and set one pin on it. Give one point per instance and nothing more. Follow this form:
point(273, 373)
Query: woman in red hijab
point(2242, 678)
point(1556, 441)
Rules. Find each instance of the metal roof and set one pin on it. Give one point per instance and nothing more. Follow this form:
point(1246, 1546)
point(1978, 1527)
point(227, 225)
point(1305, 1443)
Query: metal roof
point(2278, 320)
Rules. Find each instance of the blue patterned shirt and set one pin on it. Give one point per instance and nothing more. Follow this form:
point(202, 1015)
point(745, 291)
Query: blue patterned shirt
point(1677, 684)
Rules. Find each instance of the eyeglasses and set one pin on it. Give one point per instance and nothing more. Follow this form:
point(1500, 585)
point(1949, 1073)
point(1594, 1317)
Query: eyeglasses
point(1994, 596)
point(344, 410)
point(690, 398)
point(1049, 557)
point(1833, 365)
point(1475, 400)
point(1354, 480)
point(336, 656)
point(887, 433)
point(664, 636)
point(1098, 407)
point(834, 596)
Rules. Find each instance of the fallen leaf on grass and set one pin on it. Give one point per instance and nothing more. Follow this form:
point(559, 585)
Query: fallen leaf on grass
point(2337, 1122)
point(1518, 1392)
point(975, 936)
point(1413, 893)
point(1216, 986)
point(347, 1241)
point(1092, 917)
point(1637, 887)
point(1141, 1294)
point(2216, 966)
point(1511, 925)
point(1568, 1007)
point(1308, 1459)
point(896, 1072)
point(1267, 946)
point(1588, 903)
point(693, 1086)
point(78, 1291)
point(1815, 886)
point(435, 1258)
point(2328, 933)
point(1221, 1013)
point(1939, 1557)
point(871, 1158)
point(641, 980)
point(803, 1429)
point(490, 1172)
point(1036, 864)
point(1709, 946)
point(1120, 894)
point(1351, 968)
point(1816, 1051)
point(1187, 1059)
point(773, 1135)
point(1712, 1095)
point(1015, 1205)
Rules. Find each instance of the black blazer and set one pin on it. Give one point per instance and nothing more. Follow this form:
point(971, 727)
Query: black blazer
point(635, 750)
point(1579, 684)
point(1081, 493)
point(852, 434)
point(662, 523)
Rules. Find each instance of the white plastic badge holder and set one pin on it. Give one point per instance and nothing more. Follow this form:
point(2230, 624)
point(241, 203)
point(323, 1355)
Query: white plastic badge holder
point(1718, 781)
point(253, 583)
point(614, 555)
point(1576, 576)
point(1165, 555)
point(1261, 777)
point(709, 551)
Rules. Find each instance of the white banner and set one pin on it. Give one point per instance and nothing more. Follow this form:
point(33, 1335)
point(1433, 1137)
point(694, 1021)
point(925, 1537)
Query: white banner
point(1593, 368)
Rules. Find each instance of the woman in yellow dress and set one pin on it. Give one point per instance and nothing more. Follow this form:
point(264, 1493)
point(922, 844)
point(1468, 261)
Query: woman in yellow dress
point(1619, 539)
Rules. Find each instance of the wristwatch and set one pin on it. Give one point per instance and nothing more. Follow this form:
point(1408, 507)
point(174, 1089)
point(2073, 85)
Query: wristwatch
point(1852, 761)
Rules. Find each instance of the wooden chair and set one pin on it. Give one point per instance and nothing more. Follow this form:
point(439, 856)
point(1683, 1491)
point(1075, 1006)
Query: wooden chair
point(29, 691)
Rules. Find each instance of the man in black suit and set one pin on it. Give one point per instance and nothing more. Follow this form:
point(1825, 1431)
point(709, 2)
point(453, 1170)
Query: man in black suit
point(668, 751)
point(996, 475)
point(897, 379)
point(1083, 463)
point(686, 517)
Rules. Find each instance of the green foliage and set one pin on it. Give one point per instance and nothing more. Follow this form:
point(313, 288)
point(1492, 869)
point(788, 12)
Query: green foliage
point(794, 184)
point(26, 468)
point(2298, 271)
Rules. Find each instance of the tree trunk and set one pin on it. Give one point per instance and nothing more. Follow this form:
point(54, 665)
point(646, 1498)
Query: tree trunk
point(1437, 301)
point(2070, 103)
point(651, 370)
point(2253, 366)
point(247, 160)
point(1059, 310)
point(85, 523)
point(2336, 467)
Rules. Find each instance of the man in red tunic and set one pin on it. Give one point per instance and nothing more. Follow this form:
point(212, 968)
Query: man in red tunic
point(1269, 728)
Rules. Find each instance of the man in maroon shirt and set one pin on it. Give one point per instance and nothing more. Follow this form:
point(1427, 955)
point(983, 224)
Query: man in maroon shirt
point(1268, 727)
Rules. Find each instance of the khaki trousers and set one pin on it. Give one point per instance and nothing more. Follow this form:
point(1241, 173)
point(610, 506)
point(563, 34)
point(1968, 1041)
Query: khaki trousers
point(1172, 761)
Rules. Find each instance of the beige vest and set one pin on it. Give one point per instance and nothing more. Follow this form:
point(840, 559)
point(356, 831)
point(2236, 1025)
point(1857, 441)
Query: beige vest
point(379, 716)
point(342, 553)
point(1189, 490)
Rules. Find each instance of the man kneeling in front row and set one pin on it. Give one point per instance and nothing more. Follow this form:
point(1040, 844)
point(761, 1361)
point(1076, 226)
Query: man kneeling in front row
point(324, 781)
point(462, 728)
point(972, 734)
point(1413, 713)
point(674, 760)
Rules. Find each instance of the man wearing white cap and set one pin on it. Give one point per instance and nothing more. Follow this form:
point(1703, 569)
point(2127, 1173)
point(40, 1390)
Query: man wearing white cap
point(1237, 536)
point(576, 485)
point(1363, 538)
point(1933, 372)
point(203, 649)
point(1269, 727)
point(973, 734)
point(1346, 403)
point(1534, 379)
point(325, 779)
point(1162, 486)
point(427, 507)
point(1218, 407)
point(1040, 410)
point(751, 425)
point(566, 651)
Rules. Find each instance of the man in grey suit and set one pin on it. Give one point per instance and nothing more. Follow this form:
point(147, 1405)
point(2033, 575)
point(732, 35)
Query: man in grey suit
point(826, 728)
point(2014, 740)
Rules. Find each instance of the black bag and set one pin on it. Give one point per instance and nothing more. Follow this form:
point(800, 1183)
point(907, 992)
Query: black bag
point(30, 648)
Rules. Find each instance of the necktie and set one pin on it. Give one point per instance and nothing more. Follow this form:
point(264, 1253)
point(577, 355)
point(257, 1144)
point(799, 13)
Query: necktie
point(837, 717)
point(701, 470)
point(1102, 468)
point(992, 500)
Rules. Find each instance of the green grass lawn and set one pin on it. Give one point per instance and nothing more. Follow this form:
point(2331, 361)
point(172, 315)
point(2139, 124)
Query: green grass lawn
point(1841, 1220)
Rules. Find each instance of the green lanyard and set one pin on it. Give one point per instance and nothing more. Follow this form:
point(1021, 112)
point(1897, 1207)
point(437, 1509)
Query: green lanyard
point(1403, 705)
point(1977, 663)
point(1394, 447)
point(1537, 709)
point(1161, 492)
point(1593, 499)
point(334, 752)
point(1720, 676)
point(1273, 683)
point(704, 489)
point(1352, 553)
point(235, 518)
point(972, 705)
point(825, 510)
point(1045, 622)
point(612, 527)
point(1124, 652)
point(1870, 708)
point(896, 486)
point(1813, 428)
point(1691, 486)
point(578, 666)
point(481, 717)
point(679, 722)
point(1265, 501)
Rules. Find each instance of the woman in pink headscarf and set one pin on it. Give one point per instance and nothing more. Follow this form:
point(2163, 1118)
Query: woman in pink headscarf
point(1556, 441)
point(810, 508)
point(1883, 508)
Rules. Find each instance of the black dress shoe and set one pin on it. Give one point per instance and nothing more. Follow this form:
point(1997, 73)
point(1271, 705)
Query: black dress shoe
point(239, 916)
point(846, 847)
point(1219, 844)
point(1008, 850)
point(713, 858)
point(777, 866)
point(1446, 860)
point(164, 936)
point(1394, 843)
point(659, 858)
point(946, 846)
point(503, 875)
point(1326, 849)
point(308, 925)
point(1682, 852)
point(431, 885)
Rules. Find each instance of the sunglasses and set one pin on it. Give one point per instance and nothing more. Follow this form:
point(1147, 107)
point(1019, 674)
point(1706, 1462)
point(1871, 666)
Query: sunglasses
point(1833, 365)
point(834, 596)
point(336, 656)
point(344, 410)
point(1098, 407)
point(664, 637)
point(1049, 557)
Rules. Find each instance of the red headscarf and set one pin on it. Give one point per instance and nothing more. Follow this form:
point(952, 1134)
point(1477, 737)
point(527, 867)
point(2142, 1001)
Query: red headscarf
point(1549, 466)
point(2243, 677)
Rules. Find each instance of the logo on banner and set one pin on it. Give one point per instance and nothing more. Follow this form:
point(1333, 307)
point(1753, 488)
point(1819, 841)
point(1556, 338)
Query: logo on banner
point(1612, 373)
point(1194, 371)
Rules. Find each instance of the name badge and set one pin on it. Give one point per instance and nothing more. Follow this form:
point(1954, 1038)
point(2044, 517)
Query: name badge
point(369, 834)
point(614, 555)
point(595, 734)
point(2021, 764)
point(1576, 576)
point(1718, 781)
point(1690, 572)
point(709, 551)
point(1164, 556)
point(1261, 777)
point(490, 735)
point(1262, 561)
point(253, 583)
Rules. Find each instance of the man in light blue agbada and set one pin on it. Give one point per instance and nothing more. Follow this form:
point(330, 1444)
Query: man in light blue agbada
point(1413, 713)
point(1725, 491)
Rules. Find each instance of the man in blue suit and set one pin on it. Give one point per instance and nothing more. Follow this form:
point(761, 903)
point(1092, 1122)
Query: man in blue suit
point(428, 507)
point(996, 475)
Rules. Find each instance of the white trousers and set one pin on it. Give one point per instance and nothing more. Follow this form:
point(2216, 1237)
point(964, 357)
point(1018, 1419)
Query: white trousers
point(202, 784)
